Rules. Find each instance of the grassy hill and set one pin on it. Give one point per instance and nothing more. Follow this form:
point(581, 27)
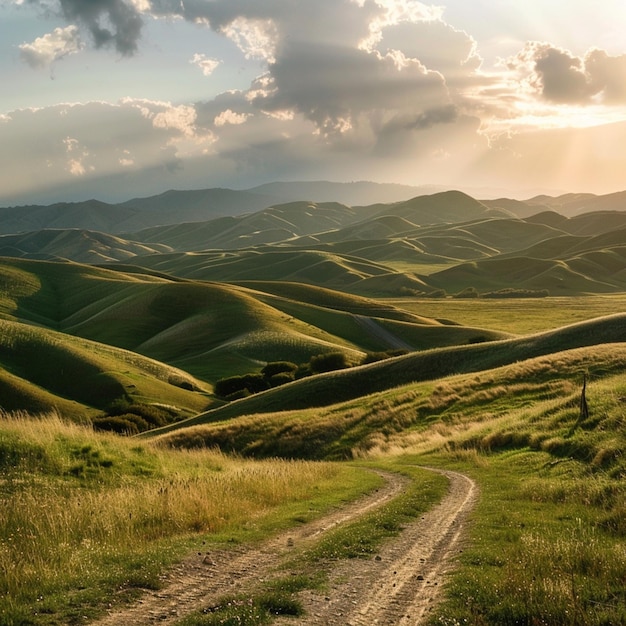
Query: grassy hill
point(210, 330)
point(419, 246)
point(377, 418)
point(82, 246)
point(353, 383)
point(43, 370)
point(87, 520)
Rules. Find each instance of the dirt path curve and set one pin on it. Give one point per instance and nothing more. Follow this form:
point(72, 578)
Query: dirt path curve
point(401, 585)
point(203, 578)
point(398, 587)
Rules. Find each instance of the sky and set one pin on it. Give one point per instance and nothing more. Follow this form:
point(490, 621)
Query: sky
point(117, 99)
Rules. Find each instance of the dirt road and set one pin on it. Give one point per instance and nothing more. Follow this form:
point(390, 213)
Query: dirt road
point(398, 587)
point(401, 586)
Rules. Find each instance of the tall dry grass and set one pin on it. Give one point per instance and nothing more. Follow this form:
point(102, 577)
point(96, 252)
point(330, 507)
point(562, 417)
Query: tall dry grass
point(78, 508)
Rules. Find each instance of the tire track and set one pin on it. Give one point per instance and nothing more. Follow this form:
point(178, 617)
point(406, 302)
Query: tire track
point(401, 586)
point(203, 578)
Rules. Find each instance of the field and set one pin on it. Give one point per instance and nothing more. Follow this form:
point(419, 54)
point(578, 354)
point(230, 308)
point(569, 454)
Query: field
point(286, 396)
point(516, 315)
point(546, 539)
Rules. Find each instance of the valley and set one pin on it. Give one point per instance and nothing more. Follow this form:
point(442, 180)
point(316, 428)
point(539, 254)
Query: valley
point(366, 343)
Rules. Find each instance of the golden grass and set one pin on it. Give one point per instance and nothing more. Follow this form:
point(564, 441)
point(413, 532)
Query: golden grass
point(78, 502)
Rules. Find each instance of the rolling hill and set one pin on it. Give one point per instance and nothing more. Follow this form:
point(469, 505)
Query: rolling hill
point(431, 365)
point(444, 242)
point(135, 332)
point(210, 330)
point(43, 370)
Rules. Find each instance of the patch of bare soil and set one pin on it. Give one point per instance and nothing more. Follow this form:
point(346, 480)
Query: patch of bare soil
point(203, 578)
point(402, 584)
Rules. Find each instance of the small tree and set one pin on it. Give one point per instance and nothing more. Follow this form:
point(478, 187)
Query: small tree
point(328, 362)
point(278, 367)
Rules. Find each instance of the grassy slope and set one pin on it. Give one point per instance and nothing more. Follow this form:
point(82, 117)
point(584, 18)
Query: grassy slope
point(327, 389)
point(88, 520)
point(43, 370)
point(398, 418)
point(488, 253)
point(547, 536)
point(210, 329)
point(79, 245)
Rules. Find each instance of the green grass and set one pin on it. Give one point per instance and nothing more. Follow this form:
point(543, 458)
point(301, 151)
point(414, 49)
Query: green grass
point(541, 550)
point(43, 370)
point(353, 383)
point(210, 330)
point(546, 541)
point(310, 567)
point(86, 518)
point(518, 316)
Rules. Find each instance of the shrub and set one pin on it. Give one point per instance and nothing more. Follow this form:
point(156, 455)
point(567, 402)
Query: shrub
point(510, 292)
point(281, 378)
point(437, 293)
point(155, 416)
point(226, 387)
point(373, 357)
point(328, 362)
point(119, 425)
point(278, 367)
point(304, 370)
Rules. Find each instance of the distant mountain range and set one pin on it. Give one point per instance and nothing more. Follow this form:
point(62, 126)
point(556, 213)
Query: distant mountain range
point(174, 207)
point(441, 242)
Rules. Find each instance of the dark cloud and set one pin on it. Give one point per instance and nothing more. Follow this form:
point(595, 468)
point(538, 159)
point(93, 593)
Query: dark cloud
point(426, 119)
point(564, 78)
point(317, 65)
point(607, 75)
point(110, 22)
point(335, 85)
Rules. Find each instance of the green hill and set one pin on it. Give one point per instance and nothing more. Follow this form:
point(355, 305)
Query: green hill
point(82, 246)
point(353, 383)
point(43, 370)
point(557, 277)
point(211, 330)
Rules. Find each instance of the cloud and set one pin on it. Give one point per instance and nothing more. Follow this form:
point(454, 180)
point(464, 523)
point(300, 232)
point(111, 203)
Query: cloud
point(110, 22)
point(255, 38)
point(65, 142)
point(437, 45)
point(559, 76)
point(319, 65)
point(607, 75)
point(45, 50)
point(206, 64)
point(230, 117)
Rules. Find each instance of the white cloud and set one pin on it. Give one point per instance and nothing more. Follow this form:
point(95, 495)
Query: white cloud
point(206, 64)
point(76, 157)
point(230, 117)
point(180, 118)
point(255, 38)
point(45, 50)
